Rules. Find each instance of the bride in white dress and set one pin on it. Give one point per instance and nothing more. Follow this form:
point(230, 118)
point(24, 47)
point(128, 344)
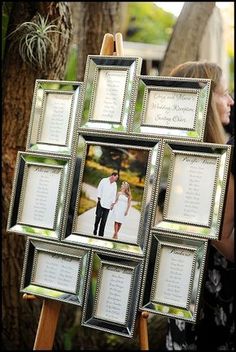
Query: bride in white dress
point(121, 207)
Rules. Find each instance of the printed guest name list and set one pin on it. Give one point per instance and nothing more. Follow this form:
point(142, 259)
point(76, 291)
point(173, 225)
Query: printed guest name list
point(113, 295)
point(109, 95)
point(40, 199)
point(192, 189)
point(56, 119)
point(174, 273)
point(57, 271)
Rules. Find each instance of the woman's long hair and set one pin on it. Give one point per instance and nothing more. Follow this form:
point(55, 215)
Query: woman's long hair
point(214, 131)
point(127, 189)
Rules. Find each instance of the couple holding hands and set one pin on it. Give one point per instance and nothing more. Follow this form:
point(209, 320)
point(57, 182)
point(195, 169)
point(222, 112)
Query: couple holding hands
point(110, 199)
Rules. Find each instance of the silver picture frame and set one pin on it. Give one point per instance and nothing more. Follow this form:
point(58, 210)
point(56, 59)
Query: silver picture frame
point(173, 276)
point(39, 202)
point(55, 271)
point(109, 89)
point(55, 113)
point(136, 163)
point(111, 298)
point(170, 107)
point(191, 186)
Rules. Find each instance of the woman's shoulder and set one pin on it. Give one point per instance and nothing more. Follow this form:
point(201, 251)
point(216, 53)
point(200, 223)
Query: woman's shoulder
point(231, 140)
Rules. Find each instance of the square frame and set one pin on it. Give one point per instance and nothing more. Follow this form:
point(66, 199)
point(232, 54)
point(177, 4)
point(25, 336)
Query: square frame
point(113, 279)
point(110, 80)
point(80, 228)
point(55, 112)
point(39, 195)
point(170, 107)
point(173, 276)
point(62, 265)
point(191, 187)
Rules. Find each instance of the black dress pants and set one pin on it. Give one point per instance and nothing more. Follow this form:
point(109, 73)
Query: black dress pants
point(101, 218)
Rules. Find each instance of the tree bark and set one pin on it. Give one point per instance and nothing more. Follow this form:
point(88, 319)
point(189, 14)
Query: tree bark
point(20, 317)
point(187, 35)
point(91, 20)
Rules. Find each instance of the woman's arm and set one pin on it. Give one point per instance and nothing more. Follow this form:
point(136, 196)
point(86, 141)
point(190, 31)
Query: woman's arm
point(128, 205)
point(226, 244)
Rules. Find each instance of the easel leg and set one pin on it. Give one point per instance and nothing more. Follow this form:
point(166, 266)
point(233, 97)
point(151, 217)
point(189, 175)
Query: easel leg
point(143, 331)
point(47, 325)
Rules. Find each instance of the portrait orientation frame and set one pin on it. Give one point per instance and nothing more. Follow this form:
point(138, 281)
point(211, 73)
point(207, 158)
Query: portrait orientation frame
point(109, 88)
point(191, 187)
point(39, 201)
point(173, 276)
point(111, 298)
point(170, 107)
point(55, 271)
point(55, 112)
point(97, 157)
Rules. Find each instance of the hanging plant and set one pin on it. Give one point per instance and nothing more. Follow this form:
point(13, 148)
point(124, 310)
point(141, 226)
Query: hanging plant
point(33, 38)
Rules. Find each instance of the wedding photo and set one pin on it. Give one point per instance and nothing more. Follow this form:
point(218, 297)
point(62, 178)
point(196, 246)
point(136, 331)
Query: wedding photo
point(112, 192)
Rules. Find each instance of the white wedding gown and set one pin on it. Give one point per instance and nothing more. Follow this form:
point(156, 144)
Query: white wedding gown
point(119, 209)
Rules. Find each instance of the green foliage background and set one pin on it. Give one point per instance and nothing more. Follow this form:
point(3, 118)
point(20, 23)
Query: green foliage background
point(148, 23)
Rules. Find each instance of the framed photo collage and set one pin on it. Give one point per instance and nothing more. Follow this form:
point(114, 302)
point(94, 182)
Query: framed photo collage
point(118, 194)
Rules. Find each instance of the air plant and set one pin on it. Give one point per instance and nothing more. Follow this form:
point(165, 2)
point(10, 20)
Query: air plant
point(34, 40)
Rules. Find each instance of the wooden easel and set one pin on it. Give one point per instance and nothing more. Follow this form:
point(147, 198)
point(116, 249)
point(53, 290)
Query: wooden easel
point(50, 310)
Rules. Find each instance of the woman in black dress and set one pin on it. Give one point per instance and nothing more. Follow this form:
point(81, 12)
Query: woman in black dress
point(215, 327)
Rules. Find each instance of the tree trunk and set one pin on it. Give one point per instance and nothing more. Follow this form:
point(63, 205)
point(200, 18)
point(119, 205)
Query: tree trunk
point(187, 35)
point(91, 20)
point(20, 318)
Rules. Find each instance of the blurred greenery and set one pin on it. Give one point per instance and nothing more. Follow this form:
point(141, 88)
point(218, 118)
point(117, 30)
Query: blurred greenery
point(72, 64)
point(148, 23)
point(85, 203)
point(81, 337)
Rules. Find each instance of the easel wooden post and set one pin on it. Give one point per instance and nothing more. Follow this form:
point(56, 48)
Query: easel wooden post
point(47, 323)
point(115, 47)
point(143, 331)
point(51, 309)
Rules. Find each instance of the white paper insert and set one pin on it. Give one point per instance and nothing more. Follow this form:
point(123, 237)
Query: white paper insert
point(109, 95)
point(57, 271)
point(56, 118)
point(41, 193)
point(192, 189)
point(171, 109)
point(174, 273)
point(113, 294)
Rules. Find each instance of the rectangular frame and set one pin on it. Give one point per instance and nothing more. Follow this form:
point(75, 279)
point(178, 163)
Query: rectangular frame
point(50, 268)
point(90, 168)
point(191, 188)
point(170, 107)
point(173, 276)
point(111, 81)
point(111, 299)
point(39, 199)
point(55, 113)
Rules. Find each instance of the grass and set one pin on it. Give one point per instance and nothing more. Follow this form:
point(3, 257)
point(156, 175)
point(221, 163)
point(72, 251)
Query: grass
point(85, 203)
